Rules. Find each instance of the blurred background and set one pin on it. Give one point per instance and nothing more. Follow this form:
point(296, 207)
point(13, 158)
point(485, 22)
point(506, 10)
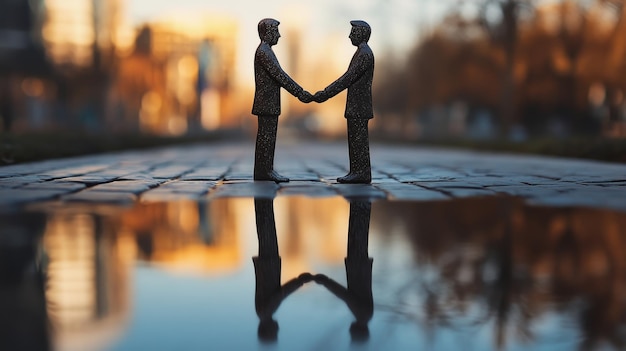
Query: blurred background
point(471, 70)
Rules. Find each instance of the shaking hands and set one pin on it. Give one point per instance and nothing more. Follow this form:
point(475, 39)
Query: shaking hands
point(305, 97)
point(318, 278)
point(319, 97)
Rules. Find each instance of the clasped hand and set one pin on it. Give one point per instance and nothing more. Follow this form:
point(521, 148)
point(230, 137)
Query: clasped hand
point(318, 278)
point(319, 97)
point(305, 97)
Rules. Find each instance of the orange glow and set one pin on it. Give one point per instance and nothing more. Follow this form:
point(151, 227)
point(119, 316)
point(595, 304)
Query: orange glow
point(74, 254)
point(69, 30)
point(188, 66)
point(32, 87)
point(300, 230)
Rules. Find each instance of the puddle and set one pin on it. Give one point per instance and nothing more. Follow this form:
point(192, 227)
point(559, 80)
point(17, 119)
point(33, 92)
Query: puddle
point(313, 273)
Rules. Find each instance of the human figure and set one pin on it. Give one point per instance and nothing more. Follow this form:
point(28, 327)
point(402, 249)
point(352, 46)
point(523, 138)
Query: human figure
point(269, 77)
point(269, 293)
point(358, 294)
point(358, 81)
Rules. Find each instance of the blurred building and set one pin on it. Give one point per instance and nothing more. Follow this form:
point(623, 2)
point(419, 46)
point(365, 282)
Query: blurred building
point(22, 59)
point(21, 47)
point(81, 33)
point(187, 236)
point(87, 283)
point(178, 79)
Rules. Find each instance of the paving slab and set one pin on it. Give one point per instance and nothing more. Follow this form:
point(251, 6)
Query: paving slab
point(359, 191)
point(22, 196)
point(54, 185)
point(306, 188)
point(206, 173)
point(169, 172)
point(90, 196)
point(188, 186)
point(128, 186)
point(405, 191)
point(258, 189)
point(160, 195)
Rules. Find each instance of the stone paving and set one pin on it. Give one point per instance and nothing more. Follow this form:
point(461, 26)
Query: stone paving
point(205, 172)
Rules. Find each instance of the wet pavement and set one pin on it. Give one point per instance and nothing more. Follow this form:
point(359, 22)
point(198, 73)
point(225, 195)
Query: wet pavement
point(225, 170)
point(178, 249)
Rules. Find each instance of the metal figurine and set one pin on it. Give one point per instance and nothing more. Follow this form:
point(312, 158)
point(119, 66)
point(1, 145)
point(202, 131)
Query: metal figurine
point(358, 81)
point(269, 77)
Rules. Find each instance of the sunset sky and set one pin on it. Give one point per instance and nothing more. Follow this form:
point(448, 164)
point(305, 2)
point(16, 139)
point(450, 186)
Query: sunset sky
point(395, 22)
point(397, 25)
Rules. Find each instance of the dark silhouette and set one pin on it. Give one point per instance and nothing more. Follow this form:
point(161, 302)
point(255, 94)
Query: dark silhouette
point(269, 77)
point(358, 294)
point(24, 323)
point(269, 293)
point(6, 106)
point(358, 81)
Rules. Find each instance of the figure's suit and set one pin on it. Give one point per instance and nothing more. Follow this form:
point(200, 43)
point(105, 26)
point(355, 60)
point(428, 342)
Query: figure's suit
point(358, 80)
point(269, 77)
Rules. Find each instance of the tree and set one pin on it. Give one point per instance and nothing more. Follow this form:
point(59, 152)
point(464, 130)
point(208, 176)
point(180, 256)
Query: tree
point(501, 20)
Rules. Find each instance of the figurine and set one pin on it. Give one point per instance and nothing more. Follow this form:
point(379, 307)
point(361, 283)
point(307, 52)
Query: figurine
point(269, 77)
point(358, 81)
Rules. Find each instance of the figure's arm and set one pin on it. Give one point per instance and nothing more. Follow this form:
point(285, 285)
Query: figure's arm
point(295, 283)
point(358, 309)
point(337, 289)
point(274, 301)
point(357, 68)
point(269, 62)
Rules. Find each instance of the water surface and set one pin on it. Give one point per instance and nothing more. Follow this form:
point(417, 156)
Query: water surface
point(313, 273)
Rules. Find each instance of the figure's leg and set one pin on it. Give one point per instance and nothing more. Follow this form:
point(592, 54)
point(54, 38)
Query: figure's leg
point(358, 149)
point(265, 148)
point(359, 268)
point(267, 267)
point(358, 229)
point(266, 227)
point(263, 153)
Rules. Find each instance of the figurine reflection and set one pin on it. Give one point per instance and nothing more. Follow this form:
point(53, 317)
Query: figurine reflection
point(358, 294)
point(269, 293)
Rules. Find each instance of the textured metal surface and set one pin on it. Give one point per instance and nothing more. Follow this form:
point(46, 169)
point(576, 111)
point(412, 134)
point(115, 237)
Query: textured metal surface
point(269, 77)
point(358, 81)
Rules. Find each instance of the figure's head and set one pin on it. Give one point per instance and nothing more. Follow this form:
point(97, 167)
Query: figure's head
point(359, 331)
point(268, 30)
point(360, 32)
point(268, 330)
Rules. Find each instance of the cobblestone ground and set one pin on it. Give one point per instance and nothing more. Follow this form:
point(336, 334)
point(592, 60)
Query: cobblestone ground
point(206, 172)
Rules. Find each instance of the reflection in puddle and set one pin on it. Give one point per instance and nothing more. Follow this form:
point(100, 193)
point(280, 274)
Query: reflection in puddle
point(269, 293)
point(514, 267)
point(488, 273)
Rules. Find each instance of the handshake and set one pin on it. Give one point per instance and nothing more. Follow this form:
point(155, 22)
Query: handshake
point(318, 278)
point(307, 97)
